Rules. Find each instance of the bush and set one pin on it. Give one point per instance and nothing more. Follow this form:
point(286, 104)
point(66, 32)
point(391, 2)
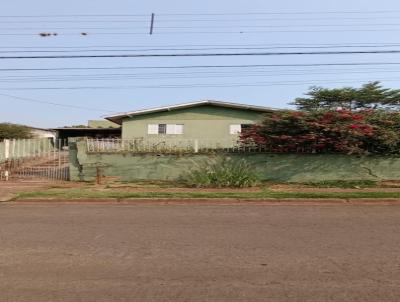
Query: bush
point(12, 131)
point(222, 172)
point(328, 131)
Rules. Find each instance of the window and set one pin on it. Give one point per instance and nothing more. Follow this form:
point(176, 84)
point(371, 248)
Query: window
point(245, 127)
point(174, 129)
point(165, 129)
point(152, 129)
point(235, 129)
point(238, 128)
point(162, 128)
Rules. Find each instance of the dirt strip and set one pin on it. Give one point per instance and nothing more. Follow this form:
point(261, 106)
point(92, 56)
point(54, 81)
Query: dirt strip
point(215, 201)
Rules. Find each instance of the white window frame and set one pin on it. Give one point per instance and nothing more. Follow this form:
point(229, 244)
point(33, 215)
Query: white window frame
point(235, 129)
point(152, 129)
point(171, 129)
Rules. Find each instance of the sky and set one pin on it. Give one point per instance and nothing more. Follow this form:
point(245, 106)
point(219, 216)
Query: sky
point(107, 85)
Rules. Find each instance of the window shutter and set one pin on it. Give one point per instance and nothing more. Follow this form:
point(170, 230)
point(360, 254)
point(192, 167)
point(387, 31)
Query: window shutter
point(235, 129)
point(152, 129)
point(174, 129)
point(179, 129)
point(170, 129)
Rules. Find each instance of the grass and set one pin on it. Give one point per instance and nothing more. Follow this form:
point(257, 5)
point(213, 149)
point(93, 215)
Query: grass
point(222, 172)
point(87, 193)
point(345, 184)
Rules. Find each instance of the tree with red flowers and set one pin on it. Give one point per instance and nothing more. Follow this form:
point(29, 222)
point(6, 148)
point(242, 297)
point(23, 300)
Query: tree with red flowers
point(327, 131)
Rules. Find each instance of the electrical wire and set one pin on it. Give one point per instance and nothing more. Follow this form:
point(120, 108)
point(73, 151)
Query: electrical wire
point(204, 54)
point(205, 66)
point(52, 103)
point(197, 85)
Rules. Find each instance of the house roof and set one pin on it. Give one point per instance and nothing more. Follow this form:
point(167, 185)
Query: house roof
point(117, 118)
point(86, 129)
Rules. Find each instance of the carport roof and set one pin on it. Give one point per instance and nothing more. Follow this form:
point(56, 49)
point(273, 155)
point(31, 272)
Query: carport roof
point(117, 118)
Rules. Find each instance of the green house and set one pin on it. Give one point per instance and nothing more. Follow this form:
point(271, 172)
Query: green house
point(205, 121)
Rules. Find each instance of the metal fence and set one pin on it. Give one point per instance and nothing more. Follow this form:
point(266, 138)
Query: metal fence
point(34, 158)
point(171, 145)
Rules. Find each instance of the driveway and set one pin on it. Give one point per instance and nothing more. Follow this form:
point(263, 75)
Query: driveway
point(106, 252)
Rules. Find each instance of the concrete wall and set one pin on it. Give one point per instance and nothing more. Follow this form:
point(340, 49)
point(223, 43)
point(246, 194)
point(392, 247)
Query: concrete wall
point(204, 122)
point(279, 167)
point(26, 148)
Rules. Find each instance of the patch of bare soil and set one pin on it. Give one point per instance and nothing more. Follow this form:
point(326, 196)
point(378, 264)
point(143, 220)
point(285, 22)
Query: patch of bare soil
point(8, 189)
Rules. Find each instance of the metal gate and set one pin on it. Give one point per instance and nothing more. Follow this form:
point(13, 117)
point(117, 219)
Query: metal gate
point(34, 159)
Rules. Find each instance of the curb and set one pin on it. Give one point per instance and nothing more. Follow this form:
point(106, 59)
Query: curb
point(214, 201)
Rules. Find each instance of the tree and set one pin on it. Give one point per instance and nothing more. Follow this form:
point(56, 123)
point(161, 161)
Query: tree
point(12, 131)
point(327, 131)
point(368, 96)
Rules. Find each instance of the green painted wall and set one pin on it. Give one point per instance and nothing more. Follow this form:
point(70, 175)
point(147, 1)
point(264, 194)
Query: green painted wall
point(203, 122)
point(279, 167)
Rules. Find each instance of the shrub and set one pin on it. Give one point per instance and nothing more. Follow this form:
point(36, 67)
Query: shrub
point(222, 172)
point(12, 131)
point(328, 131)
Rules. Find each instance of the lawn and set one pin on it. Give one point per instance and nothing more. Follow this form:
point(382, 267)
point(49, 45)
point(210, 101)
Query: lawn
point(89, 193)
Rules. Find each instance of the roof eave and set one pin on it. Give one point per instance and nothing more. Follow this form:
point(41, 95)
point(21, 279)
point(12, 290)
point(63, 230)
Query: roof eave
point(119, 117)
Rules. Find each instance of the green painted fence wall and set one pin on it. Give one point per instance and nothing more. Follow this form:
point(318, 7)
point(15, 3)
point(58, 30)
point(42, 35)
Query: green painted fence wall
point(279, 167)
point(26, 148)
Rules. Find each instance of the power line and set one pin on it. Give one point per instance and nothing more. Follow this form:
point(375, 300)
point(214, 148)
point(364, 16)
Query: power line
point(204, 66)
point(197, 49)
point(168, 76)
point(205, 54)
point(215, 26)
point(52, 103)
point(215, 85)
point(237, 32)
point(373, 12)
point(161, 20)
point(277, 45)
point(285, 13)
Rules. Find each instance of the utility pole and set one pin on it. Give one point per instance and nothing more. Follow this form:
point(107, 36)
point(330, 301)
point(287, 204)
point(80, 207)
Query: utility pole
point(152, 24)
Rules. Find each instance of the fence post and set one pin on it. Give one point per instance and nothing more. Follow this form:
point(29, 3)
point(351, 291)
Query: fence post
point(196, 146)
point(6, 148)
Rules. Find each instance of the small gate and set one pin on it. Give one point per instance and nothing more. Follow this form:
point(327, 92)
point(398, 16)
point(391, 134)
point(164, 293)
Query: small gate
point(35, 159)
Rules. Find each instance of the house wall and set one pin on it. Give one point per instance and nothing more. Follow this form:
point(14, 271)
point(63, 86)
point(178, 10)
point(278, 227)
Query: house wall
point(39, 133)
point(203, 122)
point(277, 167)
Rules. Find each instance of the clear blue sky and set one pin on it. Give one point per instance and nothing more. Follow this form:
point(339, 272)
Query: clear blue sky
point(287, 28)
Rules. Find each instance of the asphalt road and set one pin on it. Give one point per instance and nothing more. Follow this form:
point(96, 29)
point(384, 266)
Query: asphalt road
point(199, 253)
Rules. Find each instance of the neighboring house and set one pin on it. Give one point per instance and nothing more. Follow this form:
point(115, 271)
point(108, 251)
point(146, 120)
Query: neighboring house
point(95, 129)
point(203, 120)
point(102, 124)
point(42, 133)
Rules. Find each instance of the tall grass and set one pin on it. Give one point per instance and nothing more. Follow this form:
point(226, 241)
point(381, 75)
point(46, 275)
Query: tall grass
point(222, 172)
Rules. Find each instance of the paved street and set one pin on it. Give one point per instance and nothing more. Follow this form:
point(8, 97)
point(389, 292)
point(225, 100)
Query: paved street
point(175, 253)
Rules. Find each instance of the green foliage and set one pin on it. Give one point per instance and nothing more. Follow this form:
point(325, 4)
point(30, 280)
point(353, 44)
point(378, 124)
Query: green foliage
point(345, 184)
point(328, 131)
point(371, 95)
point(74, 194)
point(12, 131)
point(222, 172)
